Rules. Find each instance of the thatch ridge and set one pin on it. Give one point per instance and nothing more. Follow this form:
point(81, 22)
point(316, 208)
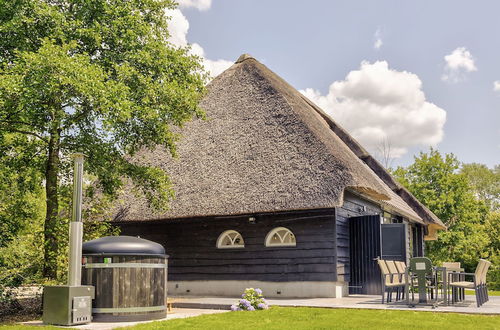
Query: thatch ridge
point(381, 172)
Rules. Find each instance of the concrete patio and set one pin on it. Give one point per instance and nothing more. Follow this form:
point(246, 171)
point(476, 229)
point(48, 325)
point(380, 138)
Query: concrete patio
point(353, 301)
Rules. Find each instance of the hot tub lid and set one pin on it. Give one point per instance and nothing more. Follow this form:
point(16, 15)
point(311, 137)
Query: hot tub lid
point(122, 245)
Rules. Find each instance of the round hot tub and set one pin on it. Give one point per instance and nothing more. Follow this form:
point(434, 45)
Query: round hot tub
point(130, 278)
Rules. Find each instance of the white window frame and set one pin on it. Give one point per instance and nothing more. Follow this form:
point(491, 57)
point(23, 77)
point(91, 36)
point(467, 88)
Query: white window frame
point(224, 234)
point(276, 230)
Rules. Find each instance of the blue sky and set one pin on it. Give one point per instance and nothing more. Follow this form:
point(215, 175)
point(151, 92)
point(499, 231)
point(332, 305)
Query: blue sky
point(408, 74)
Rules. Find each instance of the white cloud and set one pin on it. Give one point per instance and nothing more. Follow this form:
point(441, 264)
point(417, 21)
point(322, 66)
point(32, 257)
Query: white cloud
point(496, 86)
point(377, 105)
point(215, 67)
point(458, 63)
point(178, 27)
point(378, 39)
point(198, 4)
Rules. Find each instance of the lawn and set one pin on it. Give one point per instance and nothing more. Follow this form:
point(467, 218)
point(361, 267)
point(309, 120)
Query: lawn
point(490, 293)
point(323, 318)
point(320, 318)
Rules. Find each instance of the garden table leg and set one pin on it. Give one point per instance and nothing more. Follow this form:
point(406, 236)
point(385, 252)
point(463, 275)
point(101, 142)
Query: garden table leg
point(407, 287)
point(462, 291)
point(445, 286)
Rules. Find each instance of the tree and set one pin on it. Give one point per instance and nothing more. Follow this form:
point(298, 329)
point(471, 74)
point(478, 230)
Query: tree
point(436, 181)
point(21, 195)
point(385, 153)
point(485, 182)
point(97, 77)
point(493, 232)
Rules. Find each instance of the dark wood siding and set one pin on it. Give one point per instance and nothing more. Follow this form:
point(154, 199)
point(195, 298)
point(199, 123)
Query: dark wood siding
point(191, 244)
point(353, 206)
point(418, 240)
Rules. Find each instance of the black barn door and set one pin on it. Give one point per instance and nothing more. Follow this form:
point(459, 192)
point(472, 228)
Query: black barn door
point(394, 241)
point(365, 246)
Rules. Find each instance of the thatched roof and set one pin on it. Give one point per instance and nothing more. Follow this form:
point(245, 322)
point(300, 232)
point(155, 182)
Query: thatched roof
point(264, 147)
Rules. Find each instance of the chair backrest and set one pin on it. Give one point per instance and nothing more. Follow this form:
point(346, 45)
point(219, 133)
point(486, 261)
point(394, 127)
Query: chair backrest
point(451, 265)
point(391, 264)
point(421, 265)
point(486, 265)
point(385, 271)
point(383, 267)
point(401, 266)
point(479, 270)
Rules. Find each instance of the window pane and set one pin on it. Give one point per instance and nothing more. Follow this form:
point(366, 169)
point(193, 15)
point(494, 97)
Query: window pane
point(276, 238)
point(280, 237)
point(229, 239)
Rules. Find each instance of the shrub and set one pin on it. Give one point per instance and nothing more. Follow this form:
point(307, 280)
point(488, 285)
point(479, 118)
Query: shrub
point(494, 272)
point(251, 300)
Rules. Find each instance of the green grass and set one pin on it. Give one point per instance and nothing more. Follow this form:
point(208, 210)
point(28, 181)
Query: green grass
point(25, 327)
point(490, 293)
point(319, 318)
point(323, 318)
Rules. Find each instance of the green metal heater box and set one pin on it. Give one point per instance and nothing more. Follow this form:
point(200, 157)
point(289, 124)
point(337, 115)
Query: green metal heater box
point(67, 305)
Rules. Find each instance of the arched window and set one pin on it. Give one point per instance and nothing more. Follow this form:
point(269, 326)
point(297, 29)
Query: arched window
point(280, 236)
point(230, 239)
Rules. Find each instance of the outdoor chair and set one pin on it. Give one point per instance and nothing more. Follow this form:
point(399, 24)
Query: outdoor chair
point(401, 266)
point(424, 276)
point(432, 284)
point(390, 280)
point(478, 283)
point(455, 268)
point(484, 286)
point(398, 276)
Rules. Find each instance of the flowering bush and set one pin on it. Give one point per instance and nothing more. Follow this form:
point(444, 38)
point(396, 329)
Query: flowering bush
point(252, 299)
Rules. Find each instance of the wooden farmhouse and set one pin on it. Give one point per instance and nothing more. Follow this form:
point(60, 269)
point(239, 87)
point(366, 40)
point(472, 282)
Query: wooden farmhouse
point(272, 193)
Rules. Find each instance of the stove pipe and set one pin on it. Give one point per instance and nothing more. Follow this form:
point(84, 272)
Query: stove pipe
point(76, 225)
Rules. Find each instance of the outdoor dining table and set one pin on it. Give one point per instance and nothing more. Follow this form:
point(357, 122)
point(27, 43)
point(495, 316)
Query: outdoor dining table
point(422, 287)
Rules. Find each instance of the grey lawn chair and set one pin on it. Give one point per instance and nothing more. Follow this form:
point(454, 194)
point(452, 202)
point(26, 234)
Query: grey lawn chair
point(425, 278)
point(478, 282)
point(390, 280)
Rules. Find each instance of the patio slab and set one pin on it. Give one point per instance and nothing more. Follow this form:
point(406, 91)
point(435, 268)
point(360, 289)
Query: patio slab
point(353, 301)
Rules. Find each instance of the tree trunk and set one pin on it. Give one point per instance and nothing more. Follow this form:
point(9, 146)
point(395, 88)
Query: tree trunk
point(52, 202)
